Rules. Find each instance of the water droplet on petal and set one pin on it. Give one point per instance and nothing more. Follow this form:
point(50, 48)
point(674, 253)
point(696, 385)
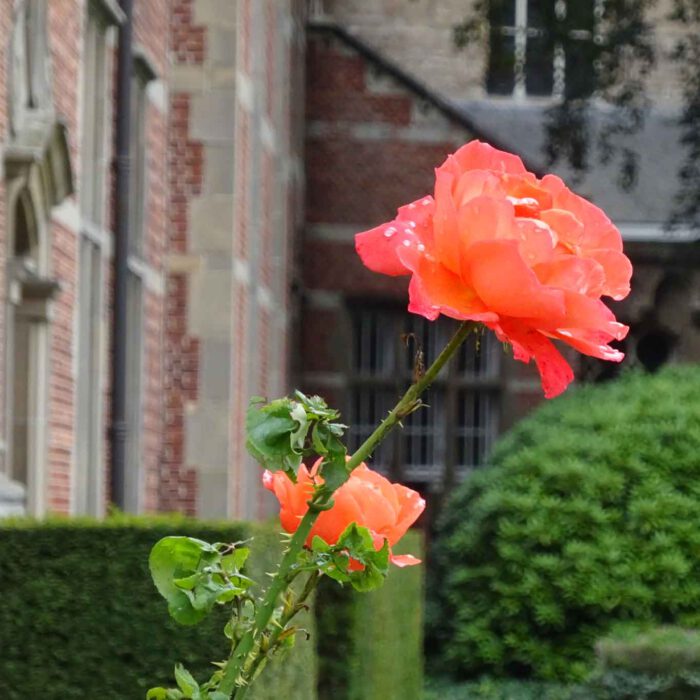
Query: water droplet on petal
point(425, 202)
point(389, 232)
point(412, 205)
point(566, 334)
point(412, 224)
point(407, 243)
point(421, 247)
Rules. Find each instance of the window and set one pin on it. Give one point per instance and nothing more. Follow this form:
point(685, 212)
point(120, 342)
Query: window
point(94, 143)
point(134, 392)
point(542, 47)
point(137, 271)
point(453, 436)
point(89, 459)
point(30, 86)
point(137, 196)
point(95, 134)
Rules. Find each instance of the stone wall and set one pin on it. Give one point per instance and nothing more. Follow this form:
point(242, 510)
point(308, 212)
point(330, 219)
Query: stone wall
point(235, 182)
point(418, 35)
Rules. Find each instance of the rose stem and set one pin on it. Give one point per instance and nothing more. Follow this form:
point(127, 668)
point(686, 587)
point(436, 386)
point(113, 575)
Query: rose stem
point(406, 405)
point(299, 605)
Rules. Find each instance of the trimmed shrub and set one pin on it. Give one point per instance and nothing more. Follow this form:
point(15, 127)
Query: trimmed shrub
point(80, 617)
point(498, 689)
point(590, 515)
point(376, 638)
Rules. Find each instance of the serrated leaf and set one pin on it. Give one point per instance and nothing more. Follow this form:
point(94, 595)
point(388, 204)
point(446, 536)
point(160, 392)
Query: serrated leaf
point(232, 563)
point(186, 682)
point(274, 437)
point(319, 545)
point(334, 472)
point(357, 540)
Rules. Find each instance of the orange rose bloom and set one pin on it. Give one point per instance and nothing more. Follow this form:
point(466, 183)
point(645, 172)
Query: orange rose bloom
point(526, 257)
point(387, 510)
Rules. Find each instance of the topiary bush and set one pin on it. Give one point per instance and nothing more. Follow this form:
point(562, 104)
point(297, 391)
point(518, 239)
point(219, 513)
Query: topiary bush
point(588, 516)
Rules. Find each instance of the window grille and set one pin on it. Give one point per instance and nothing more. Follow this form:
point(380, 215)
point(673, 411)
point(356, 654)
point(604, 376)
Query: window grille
point(445, 441)
point(543, 47)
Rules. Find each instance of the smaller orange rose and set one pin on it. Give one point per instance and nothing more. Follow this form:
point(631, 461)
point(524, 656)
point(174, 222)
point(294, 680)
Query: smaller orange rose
point(367, 498)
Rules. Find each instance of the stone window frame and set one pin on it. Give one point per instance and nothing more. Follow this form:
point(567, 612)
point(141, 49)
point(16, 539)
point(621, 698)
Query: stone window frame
point(522, 31)
point(30, 89)
point(437, 433)
point(139, 273)
point(38, 177)
point(94, 248)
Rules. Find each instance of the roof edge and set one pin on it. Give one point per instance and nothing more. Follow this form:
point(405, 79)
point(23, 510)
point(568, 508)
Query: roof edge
point(419, 89)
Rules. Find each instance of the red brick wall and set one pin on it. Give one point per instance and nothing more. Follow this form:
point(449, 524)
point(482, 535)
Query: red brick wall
point(181, 357)
point(355, 181)
point(187, 40)
point(66, 25)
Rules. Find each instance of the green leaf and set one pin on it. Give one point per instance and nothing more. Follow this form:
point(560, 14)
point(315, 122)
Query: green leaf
point(164, 694)
point(274, 437)
point(234, 562)
point(319, 545)
point(334, 471)
point(157, 694)
point(185, 681)
point(375, 571)
point(177, 558)
point(357, 540)
point(188, 582)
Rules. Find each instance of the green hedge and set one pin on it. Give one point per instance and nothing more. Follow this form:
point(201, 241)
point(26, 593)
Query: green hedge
point(589, 516)
point(80, 617)
point(638, 663)
point(500, 689)
point(377, 636)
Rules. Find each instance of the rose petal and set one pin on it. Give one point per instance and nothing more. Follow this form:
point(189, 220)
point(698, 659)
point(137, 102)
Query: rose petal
point(506, 285)
point(434, 290)
point(580, 275)
point(618, 272)
point(555, 372)
point(403, 560)
point(378, 247)
point(477, 155)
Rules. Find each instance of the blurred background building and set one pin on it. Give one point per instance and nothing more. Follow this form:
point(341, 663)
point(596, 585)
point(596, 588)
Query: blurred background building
point(257, 137)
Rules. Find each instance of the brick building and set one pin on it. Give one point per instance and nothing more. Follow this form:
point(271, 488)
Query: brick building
point(57, 120)
point(263, 135)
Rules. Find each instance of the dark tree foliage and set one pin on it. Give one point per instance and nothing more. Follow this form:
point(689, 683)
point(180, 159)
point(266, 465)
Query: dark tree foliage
point(687, 56)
